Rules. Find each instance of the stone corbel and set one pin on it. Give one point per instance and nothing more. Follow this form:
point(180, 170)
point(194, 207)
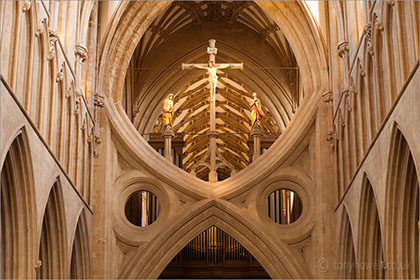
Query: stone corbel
point(40, 28)
point(53, 37)
point(60, 74)
point(77, 105)
point(81, 53)
point(99, 103)
point(84, 123)
point(26, 6)
point(343, 49)
point(341, 119)
point(69, 92)
point(346, 92)
point(367, 30)
point(361, 70)
point(328, 98)
point(378, 24)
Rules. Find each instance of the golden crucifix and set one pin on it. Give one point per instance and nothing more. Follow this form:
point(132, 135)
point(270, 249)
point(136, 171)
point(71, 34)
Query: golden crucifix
point(212, 68)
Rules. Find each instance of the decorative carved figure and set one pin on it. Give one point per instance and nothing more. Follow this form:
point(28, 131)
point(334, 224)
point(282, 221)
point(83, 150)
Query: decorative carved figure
point(256, 110)
point(168, 111)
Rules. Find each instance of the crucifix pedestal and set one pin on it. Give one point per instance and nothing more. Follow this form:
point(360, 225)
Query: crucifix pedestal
point(168, 134)
point(256, 132)
point(213, 135)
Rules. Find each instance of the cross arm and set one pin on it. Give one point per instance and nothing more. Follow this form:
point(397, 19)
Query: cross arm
point(229, 65)
point(194, 65)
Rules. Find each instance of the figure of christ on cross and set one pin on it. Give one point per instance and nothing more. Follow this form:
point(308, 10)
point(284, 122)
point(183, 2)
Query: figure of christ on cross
point(212, 71)
point(212, 68)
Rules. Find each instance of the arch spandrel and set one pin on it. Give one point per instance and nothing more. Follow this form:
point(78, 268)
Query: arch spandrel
point(225, 216)
point(125, 32)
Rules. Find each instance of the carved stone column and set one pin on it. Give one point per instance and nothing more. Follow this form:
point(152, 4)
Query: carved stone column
point(256, 132)
point(212, 152)
point(168, 134)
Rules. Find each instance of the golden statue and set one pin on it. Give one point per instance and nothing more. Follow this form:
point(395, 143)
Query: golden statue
point(168, 111)
point(255, 108)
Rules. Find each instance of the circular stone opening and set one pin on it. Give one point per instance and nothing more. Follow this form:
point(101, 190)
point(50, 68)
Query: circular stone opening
point(142, 208)
point(284, 206)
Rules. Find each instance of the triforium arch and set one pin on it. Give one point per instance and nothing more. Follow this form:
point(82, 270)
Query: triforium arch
point(80, 254)
point(370, 260)
point(124, 33)
point(18, 213)
point(402, 210)
point(53, 240)
point(223, 215)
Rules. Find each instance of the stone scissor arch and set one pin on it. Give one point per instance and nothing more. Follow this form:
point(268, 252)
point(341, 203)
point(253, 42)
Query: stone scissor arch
point(129, 23)
point(149, 263)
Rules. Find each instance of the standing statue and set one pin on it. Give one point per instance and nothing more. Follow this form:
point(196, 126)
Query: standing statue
point(255, 108)
point(168, 111)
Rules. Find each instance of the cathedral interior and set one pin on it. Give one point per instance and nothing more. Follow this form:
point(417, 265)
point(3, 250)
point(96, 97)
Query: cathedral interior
point(124, 156)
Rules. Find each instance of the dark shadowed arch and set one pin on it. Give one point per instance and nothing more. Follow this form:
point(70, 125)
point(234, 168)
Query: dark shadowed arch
point(370, 250)
point(18, 213)
point(402, 210)
point(53, 241)
point(80, 255)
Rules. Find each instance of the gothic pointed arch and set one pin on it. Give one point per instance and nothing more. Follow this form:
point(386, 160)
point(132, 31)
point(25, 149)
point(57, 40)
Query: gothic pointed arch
point(18, 213)
point(222, 215)
point(347, 261)
point(402, 209)
point(223, 256)
point(80, 255)
point(53, 240)
point(370, 249)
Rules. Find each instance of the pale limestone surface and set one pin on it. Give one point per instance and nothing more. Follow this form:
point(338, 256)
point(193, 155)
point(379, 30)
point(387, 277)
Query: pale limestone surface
point(63, 72)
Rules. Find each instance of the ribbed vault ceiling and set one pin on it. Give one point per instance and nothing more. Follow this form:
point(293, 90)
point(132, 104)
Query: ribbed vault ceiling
point(243, 33)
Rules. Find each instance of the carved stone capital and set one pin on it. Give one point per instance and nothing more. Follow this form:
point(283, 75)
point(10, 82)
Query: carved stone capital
point(98, 101)
point(98, 140)
point(367, 30)
point(331, 135)
point(53, 37)
point(60, 74)
point(77, 106)
point(362, 71)
point(379, 26)
point(26, 6)
point(81, 53)
point(168, 132)
point(327, 96)
point(256, 131)
point(70, 90)
point(343, 49)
